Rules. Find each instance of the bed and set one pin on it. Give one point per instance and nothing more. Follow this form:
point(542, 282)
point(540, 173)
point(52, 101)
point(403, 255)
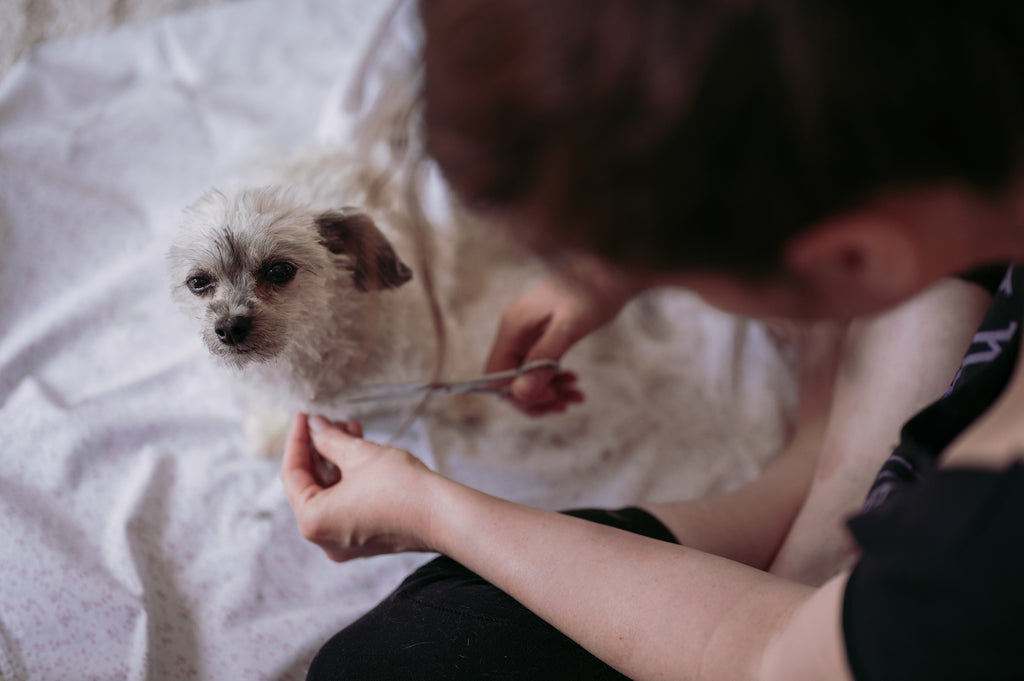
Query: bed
point(138, 540)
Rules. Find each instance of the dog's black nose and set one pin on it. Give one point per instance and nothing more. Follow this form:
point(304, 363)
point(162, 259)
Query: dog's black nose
point(233, 330)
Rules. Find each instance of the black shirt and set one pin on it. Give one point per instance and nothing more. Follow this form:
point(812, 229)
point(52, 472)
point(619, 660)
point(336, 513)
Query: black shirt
point(938, 593)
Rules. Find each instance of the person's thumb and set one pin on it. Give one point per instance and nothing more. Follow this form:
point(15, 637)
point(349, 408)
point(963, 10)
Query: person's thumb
point(535, 386)
point(330, 441)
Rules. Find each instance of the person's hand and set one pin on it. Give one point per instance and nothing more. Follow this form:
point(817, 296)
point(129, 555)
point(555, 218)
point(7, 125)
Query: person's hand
point(374, 507)
point(544, 324)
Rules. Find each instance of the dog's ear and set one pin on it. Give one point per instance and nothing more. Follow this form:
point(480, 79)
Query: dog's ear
point(375, 265)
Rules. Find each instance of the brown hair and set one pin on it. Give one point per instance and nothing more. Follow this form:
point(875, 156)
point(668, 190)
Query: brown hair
point(674, 134)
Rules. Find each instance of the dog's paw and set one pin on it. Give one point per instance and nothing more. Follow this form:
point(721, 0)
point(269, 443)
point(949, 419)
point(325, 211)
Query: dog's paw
point(266, 432)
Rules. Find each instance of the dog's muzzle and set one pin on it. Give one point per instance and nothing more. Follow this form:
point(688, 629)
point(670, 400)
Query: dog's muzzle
point(233, 330)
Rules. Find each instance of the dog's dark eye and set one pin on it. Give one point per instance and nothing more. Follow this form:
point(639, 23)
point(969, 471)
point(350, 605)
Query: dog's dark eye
point(280, 273)
point(199, 283)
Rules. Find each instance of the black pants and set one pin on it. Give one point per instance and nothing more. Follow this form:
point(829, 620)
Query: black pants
point(445, 622)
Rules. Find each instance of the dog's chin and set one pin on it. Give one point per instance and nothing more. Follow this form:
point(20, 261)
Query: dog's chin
point(240, 356)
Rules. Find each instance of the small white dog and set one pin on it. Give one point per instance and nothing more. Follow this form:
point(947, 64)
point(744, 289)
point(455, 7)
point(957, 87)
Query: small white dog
point(304, 295)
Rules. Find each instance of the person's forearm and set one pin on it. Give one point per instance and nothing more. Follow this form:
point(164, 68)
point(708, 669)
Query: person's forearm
point(650, 609)
point(749, 524)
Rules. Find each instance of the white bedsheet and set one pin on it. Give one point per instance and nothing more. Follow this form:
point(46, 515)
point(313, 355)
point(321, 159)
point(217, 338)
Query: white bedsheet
point(137, 541)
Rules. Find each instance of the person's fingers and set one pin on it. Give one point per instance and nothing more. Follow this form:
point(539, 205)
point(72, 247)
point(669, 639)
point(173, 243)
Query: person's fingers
point(296, 466)
point(564, 380)
point(552, 344)
point(338, 444)
point(540, 385)
point(326, 472)
point(328, 438)
point(556, 398)
point(569, 393)
point(575, 397)
point(560, 390)
point(555, 406)
point(533, 387)
point(354, 428)
point(513, 341)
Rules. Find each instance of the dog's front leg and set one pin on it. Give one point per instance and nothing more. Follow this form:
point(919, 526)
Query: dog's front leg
point(265, 431)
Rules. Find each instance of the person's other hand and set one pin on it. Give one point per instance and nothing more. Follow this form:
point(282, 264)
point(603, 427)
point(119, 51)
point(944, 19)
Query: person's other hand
point(376, 505)
point(544, 324)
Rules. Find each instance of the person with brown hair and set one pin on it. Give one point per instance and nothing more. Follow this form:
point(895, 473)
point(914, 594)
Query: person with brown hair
point(818, 159)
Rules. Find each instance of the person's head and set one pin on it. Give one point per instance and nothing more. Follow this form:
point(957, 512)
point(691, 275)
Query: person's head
point(808, 150)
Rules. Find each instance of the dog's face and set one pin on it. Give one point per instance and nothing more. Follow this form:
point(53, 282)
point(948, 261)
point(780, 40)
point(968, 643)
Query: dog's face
point(257, 270)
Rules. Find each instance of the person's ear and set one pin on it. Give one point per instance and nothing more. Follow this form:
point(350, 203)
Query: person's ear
point(858, 261)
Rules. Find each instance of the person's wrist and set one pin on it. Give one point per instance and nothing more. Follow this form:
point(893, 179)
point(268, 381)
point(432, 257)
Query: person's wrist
point(427, 520)
point(447, 505)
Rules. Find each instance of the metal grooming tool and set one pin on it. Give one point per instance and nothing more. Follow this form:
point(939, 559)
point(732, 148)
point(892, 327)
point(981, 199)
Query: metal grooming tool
point(496, 383)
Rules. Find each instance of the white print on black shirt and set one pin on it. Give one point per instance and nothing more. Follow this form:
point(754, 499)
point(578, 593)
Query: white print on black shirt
point(994, 340)
point(1006, 286)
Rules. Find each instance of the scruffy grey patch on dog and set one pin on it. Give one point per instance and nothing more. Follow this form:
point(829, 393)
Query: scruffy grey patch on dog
point(232, 257)
point(375, 265)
